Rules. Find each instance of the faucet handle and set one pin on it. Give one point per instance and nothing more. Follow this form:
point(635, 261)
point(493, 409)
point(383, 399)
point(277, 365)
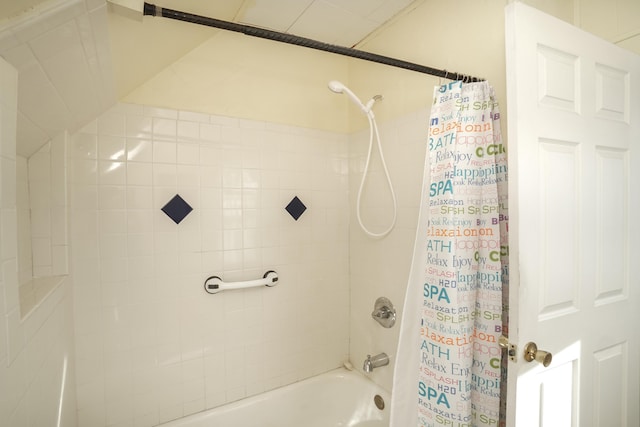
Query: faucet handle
point(384, 312)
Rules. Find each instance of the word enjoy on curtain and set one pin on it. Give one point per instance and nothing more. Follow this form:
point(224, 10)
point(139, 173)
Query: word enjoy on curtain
point(465, 263)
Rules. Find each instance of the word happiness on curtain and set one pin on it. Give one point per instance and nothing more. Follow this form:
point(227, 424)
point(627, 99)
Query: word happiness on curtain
point(466, 251)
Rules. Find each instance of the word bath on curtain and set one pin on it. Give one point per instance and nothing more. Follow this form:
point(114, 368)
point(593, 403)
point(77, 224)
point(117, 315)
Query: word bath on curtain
point(462, 253)
point(460, 367)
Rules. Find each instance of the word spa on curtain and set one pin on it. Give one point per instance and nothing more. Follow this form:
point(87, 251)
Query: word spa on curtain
point(455, 292)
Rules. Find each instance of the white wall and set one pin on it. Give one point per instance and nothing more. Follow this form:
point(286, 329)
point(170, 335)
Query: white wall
point(23, 209)
point(380, 268)
point(463, 36)
point(286, 84)
point(34, 350)
point(47, 205)
point(152, 345)
point(61, 51)
point(235, 75)
point(231, 74)
point(144, 354)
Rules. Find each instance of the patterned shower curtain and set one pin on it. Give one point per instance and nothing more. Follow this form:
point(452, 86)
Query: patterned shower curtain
point(449, 363)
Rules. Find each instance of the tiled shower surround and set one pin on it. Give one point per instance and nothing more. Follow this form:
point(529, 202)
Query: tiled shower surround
point(151, 344)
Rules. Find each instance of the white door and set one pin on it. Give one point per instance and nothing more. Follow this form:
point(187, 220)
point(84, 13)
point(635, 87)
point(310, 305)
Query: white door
point(574, 189)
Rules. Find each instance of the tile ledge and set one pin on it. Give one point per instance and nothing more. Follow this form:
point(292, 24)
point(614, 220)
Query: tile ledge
point(34, 292)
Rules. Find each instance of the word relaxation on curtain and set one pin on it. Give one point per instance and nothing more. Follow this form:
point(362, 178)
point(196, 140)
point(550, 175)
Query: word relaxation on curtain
point(455, 291)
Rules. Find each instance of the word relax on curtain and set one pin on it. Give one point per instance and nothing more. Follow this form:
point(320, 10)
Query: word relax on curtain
point(465, 261)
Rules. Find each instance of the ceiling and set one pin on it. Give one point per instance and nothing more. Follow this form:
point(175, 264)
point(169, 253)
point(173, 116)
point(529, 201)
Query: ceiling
point(140, 51)
point(75, 58)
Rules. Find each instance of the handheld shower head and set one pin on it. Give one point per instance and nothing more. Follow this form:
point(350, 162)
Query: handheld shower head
point(337, 87)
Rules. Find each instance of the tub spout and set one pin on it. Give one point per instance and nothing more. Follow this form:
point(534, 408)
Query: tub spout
point(375, 362)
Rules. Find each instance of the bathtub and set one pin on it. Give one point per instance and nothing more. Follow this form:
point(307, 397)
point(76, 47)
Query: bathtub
point(338, 398)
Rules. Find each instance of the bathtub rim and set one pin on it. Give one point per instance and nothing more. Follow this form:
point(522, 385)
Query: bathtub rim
point(337, 373)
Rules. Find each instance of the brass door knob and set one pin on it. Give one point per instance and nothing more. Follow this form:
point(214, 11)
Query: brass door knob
point(532, 353)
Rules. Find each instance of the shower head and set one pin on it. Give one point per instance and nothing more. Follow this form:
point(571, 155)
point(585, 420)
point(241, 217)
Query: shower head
point(337, 87)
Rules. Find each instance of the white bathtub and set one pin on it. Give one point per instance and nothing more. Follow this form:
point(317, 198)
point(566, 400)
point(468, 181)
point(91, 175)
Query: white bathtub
point(338, 398)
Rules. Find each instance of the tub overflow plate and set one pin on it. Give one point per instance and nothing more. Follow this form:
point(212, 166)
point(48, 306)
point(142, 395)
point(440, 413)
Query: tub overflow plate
point(379, 401)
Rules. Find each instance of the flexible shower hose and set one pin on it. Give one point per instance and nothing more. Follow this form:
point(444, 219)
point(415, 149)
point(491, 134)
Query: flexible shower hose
point(373, 128)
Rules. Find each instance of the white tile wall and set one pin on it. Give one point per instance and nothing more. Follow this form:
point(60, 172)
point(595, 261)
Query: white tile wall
point(61, 49)
point(381, 267)
point(48, 206)
point(151, 344)
point(38, 386)
point(8, 215)
point(25, 260)
point(36, 354)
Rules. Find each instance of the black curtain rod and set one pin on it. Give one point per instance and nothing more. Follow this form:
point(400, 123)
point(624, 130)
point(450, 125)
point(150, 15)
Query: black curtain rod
point(153, 10)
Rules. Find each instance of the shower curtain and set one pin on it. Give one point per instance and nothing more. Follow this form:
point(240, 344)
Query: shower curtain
point(448, 367)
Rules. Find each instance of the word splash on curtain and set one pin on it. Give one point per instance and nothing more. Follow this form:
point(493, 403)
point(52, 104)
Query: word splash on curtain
point(460, 262)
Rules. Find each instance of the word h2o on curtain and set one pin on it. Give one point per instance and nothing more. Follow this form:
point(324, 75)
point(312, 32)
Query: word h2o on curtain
point(465, 260)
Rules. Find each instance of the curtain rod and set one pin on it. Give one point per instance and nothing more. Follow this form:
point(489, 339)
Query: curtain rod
point(153, 10)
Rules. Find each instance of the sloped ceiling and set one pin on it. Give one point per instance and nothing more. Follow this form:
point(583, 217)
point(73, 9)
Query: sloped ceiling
point(75, 58)
point(65, 77)
point(140, 51)
point(11, 9)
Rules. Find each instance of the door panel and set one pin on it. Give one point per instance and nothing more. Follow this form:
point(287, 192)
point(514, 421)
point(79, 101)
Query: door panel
point(558, 261)
point(574, 145)
point(612, 225)
point(610, 394)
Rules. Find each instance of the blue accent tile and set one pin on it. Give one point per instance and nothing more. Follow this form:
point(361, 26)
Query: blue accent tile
point(177, 209)
point(296, 208)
